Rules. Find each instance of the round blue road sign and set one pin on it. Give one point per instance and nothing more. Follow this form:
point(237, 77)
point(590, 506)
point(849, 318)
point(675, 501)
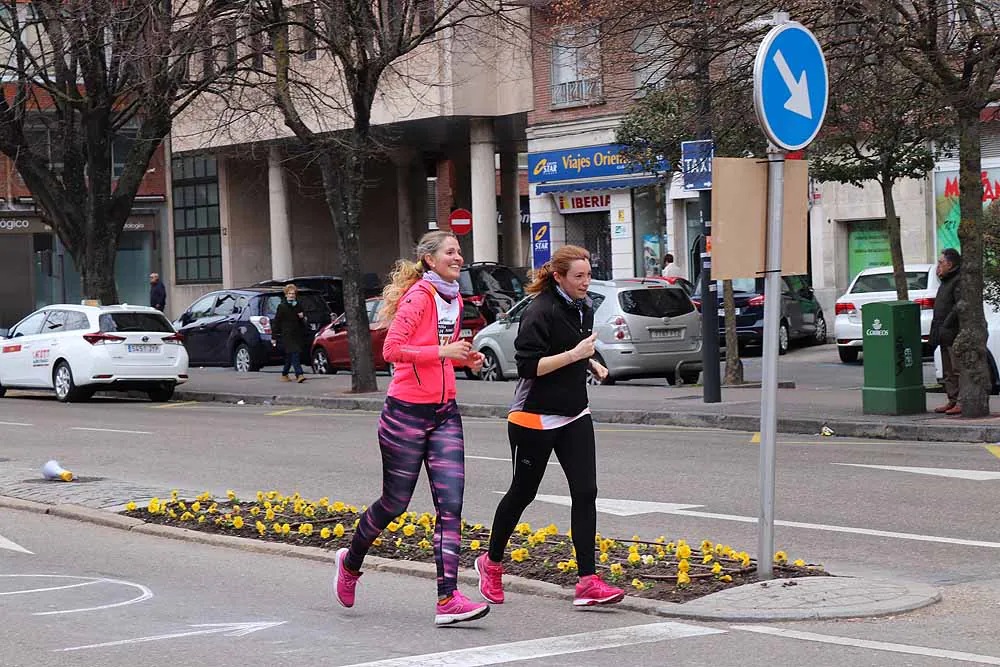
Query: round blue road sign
point(791, 86)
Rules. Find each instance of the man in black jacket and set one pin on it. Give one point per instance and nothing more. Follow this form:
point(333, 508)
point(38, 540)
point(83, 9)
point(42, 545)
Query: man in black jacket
point(945, 325)
point(157, 293)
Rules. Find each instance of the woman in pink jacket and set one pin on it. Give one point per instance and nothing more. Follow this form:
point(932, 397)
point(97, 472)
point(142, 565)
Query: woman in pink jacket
point(420, 423)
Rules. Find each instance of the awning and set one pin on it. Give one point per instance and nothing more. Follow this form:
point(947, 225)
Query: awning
point(616, 184)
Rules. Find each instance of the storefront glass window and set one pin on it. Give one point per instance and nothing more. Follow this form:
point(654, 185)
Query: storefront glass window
point(648, 219)
point(197, 239)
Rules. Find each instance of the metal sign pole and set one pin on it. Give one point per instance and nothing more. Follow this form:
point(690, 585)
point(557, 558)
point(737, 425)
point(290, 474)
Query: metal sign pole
point(769, 378)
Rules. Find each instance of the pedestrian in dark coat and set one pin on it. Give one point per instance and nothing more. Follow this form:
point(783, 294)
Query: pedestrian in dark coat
point(157, 293)
point(945, 325)
point(291, 330)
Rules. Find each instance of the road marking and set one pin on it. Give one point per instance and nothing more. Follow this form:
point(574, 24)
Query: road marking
point(228, 629)
point(180, 404)
point(284, 412)
point(50, 588)
point(994, 450)
point(12, 546)
point(534, 649)
point(567, 501)
point(621, 507)
point(755, 440)
point(976, 475)
point(872, 645)
point(110, 430)
point(15, 424)
point(507, 460)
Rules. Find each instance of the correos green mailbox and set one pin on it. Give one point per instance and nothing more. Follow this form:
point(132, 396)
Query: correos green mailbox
point(894, 382)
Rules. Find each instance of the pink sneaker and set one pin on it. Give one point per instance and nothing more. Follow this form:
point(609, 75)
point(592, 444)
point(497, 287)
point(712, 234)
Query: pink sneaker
point(490, 579)
point(458, 609)
point(343, 581)
point(592, 590)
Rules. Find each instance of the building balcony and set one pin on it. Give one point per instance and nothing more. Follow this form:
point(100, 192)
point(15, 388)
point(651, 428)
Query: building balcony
point(577, 93)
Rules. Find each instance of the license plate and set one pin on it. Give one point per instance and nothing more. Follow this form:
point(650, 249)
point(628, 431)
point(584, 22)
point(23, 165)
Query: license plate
point(722, 312)
point(143, 347)
point(466, 333)
point(666, 333)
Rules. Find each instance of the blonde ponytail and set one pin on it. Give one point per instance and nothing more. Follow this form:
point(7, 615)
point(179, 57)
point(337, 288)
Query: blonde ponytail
point(405, 273)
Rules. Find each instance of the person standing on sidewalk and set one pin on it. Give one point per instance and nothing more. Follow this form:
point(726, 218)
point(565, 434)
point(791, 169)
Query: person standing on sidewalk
point(553, 350)
point(420, 424)
point(157, 293)
point(671, 270)
point(290, 329)
point(945, 326)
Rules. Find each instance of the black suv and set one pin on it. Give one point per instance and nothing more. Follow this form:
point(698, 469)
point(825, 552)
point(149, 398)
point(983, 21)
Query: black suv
point(801, 315)
point(493, 287)
point(331, 287)
point(233, 327)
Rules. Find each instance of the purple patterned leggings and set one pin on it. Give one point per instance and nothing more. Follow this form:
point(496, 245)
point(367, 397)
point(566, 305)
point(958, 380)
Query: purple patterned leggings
point(409, 435)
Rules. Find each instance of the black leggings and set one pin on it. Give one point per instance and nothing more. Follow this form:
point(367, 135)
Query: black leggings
point(530, 449)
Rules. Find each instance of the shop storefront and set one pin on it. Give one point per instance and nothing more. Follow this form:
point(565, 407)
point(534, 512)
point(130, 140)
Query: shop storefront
point(31, 249)
point(595, 198)
point(946, 203)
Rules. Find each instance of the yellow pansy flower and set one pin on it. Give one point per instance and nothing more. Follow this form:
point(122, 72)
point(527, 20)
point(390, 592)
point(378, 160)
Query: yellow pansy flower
point(154, 505)
point(286, 529)
point(683, 551)
point(231, 494)
point(616, 569)
point(726, 578)
point(717, 568)
point(393, 527)
point(130, 506)
point(683, 566)
point(201, 518)
point(603, 558)
point(683, 578)
point(474, 545)
point(424, 544)
point(634, 558)
point(780, 557)
point(269, 514)
point(261, 528)
point(276, 527)
point(519, 555)
point(799, 563)
point(337, 506)
point(325, 533)
point(187, 516)
point(306, 529)
point(338, 530)
point(637, 584)
point(409, 530)
point(707, 559)
point(238, 522)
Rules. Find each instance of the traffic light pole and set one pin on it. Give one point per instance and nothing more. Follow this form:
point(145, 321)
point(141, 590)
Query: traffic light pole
point(711, 382)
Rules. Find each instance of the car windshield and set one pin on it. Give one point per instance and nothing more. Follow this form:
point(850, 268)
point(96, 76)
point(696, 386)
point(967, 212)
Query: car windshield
point(655, 302)
point(122, 322)
point(491, 279)
point(883, 282)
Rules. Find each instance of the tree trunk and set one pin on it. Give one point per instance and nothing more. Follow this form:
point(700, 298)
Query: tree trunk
point(970, 346)
point(734, 365)
point(343, 172)
point(96, 263)
point(895, 239)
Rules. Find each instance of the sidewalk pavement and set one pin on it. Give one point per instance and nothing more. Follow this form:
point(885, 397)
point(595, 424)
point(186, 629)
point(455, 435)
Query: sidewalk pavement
point(804, 409)
point(98, 500)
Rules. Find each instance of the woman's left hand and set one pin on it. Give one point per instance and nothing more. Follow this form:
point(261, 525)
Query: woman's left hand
point(599, 371)
point(475, 362)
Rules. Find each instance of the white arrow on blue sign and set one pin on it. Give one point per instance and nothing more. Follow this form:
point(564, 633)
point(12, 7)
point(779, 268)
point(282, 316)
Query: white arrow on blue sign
point(791, 86)
point(696, 164)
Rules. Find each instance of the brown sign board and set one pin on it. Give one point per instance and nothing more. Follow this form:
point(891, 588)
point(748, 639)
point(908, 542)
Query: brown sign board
point(739, 218)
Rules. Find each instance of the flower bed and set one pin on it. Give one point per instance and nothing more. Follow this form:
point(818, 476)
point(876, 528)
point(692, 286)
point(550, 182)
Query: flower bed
point(661, 569)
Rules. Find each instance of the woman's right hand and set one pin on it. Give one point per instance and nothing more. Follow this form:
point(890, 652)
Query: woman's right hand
point(584, 349)
point(459, 350)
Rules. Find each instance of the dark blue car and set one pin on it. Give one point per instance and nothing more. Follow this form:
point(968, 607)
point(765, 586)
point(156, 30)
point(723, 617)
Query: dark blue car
point(233, 327)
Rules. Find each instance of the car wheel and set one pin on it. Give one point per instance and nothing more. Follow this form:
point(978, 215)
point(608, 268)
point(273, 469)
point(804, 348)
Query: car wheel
point(848, 354)
point(782, 338)
point(162, 394)
point(690, 377)
point(491, 367)
point(242, 359)
point(391, 369)
point(62, 380)
point(321, 362)
point(592, 379)
point(819, 338)
point(671, 378)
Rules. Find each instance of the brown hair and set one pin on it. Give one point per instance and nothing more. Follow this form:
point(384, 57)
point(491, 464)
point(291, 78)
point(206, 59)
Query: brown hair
point(407, 272)
point(560, 263)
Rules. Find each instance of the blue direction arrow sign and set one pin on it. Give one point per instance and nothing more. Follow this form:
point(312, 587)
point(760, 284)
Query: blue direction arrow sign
point(791, 86)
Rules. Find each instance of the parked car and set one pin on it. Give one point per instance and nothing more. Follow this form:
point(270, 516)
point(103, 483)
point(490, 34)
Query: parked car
point(646, 329)
point(331, 287)
point(233, 327)
point(992, 350)
point(683, 283)
point(801, 315)
point(78, 350)
point(877, 284)
point(493, 287)
point(330, 351)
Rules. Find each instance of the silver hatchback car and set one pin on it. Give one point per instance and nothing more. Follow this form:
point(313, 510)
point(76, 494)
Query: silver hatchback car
point(645, 328)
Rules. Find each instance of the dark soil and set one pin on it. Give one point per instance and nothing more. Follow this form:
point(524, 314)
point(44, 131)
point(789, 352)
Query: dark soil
point(550, 560)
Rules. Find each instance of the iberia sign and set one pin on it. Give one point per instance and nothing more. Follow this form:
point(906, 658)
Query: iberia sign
point(583, 202)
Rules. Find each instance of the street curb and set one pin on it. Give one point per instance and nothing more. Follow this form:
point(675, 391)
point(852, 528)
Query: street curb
point(951, 431)
point(512, 583)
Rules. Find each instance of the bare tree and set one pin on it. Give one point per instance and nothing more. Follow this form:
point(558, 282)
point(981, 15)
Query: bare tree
point(80, 74)
point(370, 46)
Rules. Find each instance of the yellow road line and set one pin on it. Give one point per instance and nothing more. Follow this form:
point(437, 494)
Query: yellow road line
point(181, 404)
point(994, 450)
point(284, 412)
point(755, 440)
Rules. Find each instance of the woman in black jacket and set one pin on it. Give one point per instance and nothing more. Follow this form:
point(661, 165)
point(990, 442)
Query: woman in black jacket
point(290, 329)
point(554, 346)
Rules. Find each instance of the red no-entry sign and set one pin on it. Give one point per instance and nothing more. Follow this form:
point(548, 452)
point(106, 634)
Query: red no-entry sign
point(461, 221)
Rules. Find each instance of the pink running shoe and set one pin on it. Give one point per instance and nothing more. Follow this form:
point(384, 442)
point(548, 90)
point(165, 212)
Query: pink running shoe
point(592, 590)
point(343, 581)
point(458, 609)
point(490, 579)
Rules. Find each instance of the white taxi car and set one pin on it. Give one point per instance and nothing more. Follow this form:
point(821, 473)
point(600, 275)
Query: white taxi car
point(78, 350)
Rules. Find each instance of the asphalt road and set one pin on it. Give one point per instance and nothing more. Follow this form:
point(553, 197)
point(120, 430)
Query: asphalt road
point(938, 528)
